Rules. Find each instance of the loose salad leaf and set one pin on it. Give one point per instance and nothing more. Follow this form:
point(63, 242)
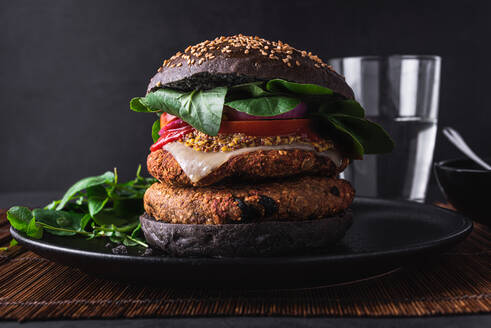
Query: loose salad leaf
point(97, 198)
point(70, 221)
point(339, 119)
point(94, 207)
point(34, 229)
point(84, 184)
point(19, 217)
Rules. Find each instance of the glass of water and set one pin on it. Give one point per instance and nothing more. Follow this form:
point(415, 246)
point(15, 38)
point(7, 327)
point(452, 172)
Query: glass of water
point(400, 93)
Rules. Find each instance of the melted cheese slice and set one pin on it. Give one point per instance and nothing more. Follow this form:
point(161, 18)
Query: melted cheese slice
point(198, 164)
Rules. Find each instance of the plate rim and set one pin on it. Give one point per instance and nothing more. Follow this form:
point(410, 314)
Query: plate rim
point(460, 233)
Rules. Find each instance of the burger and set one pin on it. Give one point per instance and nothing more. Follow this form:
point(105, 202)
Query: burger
point(250, 138)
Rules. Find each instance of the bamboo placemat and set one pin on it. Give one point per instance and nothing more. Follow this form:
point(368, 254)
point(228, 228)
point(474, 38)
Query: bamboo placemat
point(457, 282)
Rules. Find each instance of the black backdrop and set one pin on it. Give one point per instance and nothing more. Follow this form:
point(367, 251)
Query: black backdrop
point(69, 67)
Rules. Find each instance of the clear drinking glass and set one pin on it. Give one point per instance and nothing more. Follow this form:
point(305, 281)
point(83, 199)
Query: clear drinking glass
point(401, 93)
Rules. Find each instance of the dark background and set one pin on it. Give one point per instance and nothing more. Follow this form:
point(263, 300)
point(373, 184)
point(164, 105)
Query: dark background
point(68, 69)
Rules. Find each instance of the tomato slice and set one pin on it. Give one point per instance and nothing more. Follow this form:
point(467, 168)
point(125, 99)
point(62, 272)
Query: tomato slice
point(266, 128)
point(166, 118)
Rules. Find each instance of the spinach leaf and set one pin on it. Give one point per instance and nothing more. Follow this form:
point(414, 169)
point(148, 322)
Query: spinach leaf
point(247, 90)
point(96, 199)
point(12, 243)
point(137, 106)
point(338, 119)
point(202, 109)
point(136, 231)
point(107, 217)
point(71, 222)
point(357, 135)
point(107, 177)
point(34, 230)
point(346, 107)
point(264, 106)
point(19, 217)
point(304, 89)
point(156, 130)
point(84, 221)
point(112, 208)
point(373, 137)
point(125, 207)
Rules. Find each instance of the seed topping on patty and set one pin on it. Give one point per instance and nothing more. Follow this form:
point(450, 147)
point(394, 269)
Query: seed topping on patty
point(200, 141)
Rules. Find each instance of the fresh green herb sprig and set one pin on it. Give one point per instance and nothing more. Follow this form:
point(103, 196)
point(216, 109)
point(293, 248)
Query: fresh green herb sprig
point(94, 207)
point(336, 118)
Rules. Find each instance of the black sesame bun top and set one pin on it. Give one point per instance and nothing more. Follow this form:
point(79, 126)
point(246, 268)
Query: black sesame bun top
point(241, 59)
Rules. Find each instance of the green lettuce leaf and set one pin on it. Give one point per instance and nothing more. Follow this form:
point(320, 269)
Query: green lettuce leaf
point(300, 89)
point(111, 208)
point(19, 217)
point(336, 118)
point(358, 136)
point(70, 221)
point(107, 177)
point(34, 230)
point(96, 199)
point(156, 130)
point(202, 109)
point(264, 106)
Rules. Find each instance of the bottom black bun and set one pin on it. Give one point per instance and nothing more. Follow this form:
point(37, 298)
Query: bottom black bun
point(249, 239)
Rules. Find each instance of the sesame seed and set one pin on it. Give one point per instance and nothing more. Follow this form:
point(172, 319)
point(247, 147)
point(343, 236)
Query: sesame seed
point(223, 45)
point(179, 65)
point(160, 69)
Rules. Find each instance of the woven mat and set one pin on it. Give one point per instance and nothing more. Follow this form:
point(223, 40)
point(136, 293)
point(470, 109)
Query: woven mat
point(457, 282)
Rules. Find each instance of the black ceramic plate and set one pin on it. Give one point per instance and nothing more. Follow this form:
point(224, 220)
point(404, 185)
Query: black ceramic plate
point(385, 235)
